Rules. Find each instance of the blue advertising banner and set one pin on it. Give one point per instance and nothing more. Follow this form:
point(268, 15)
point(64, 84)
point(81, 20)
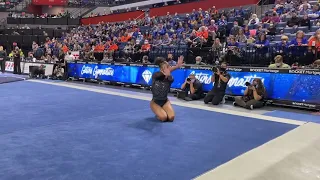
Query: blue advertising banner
point(289, 86)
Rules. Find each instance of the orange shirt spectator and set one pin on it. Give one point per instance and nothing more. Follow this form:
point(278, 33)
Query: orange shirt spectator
point(99, 48)
point(204, 34)
point(314, 42)
point(146, 46)
point(125, 38)
point(113, 47)
point(65, 48)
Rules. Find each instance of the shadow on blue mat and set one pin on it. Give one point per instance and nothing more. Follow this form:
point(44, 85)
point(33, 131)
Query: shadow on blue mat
point(294, 116)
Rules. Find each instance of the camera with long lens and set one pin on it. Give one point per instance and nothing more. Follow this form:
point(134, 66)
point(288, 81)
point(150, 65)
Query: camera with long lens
point(215, 69)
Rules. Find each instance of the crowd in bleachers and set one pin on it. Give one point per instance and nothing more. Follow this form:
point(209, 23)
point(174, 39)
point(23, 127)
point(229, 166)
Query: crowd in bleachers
point(227, 35)
point(8, 4)
point(44, 15)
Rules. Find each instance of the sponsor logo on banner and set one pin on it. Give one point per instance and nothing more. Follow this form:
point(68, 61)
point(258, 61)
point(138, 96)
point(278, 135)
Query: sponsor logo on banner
point(241, 82)
point(303, 104)
point(236, 82)
point(203, 77)
point(102, 72)
point(9, 66)
point(86, 70)
point(147, 76)
point(303, 71)
point(96, 72)
point(265, 70)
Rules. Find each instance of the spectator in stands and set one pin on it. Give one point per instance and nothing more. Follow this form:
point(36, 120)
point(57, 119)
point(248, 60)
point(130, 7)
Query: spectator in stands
point(128, 49)
point(275, 18)
point(145, 59)
point(170, 60)
point(199, 61)
point(220, 77)
point(240, 37)
point(279, 7)
point(3, 56)
point(294, 21)
point(283, 45)
point(288, 5)
point(279, 64)
point(212, 28)
point(251, 39)
point(235, 29)
point(157, 42)
point(76, 47)
point(314, 42)
point(314, 13)
point(246, 31)
point(304, 3)
point(253, 96)
point(300, 40)
point(145, 48)
point(232, 49)
point(192, 89)
point(305, 21)
point(254, 20)
point(113, 47)
point(174, 40)
point(262, 45)
point(69, 57)
point(304, 10)
point(166, 40)
point(106, 58)
point(266, 18)
point(271, 30)
point(217, 50)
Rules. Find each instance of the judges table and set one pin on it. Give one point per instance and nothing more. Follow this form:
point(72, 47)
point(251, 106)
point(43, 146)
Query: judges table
point(291, 87)
point(25, 67)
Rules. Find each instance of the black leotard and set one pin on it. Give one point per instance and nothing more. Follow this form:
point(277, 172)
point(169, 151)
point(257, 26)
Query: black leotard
point(160, 88)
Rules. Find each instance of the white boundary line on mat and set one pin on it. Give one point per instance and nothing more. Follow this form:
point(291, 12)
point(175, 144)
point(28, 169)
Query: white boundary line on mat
point(285, 157)
point(184, 104)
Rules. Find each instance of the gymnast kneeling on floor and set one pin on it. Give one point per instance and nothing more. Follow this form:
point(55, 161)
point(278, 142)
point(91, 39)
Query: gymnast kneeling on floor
point(161, 83)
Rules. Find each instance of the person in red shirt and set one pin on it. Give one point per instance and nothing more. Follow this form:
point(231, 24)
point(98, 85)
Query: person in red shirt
point(146, 46)
point(314, 42)
point(112, 48)
point(125, 38)
point(99, 48)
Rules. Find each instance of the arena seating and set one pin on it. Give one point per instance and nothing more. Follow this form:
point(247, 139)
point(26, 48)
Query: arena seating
point(8, 4)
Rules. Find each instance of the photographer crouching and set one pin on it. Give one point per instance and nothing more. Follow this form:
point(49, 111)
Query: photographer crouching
point(58, 73)
point(220, 77)
point(192, 89)
point(253, 95)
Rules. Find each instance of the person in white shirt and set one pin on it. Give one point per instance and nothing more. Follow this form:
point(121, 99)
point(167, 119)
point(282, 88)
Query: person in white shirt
point(69, 57)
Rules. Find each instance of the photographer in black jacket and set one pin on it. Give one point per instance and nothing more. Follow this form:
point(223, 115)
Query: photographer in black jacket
point(192, 88)
point(253, 96)
point(220, 77)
